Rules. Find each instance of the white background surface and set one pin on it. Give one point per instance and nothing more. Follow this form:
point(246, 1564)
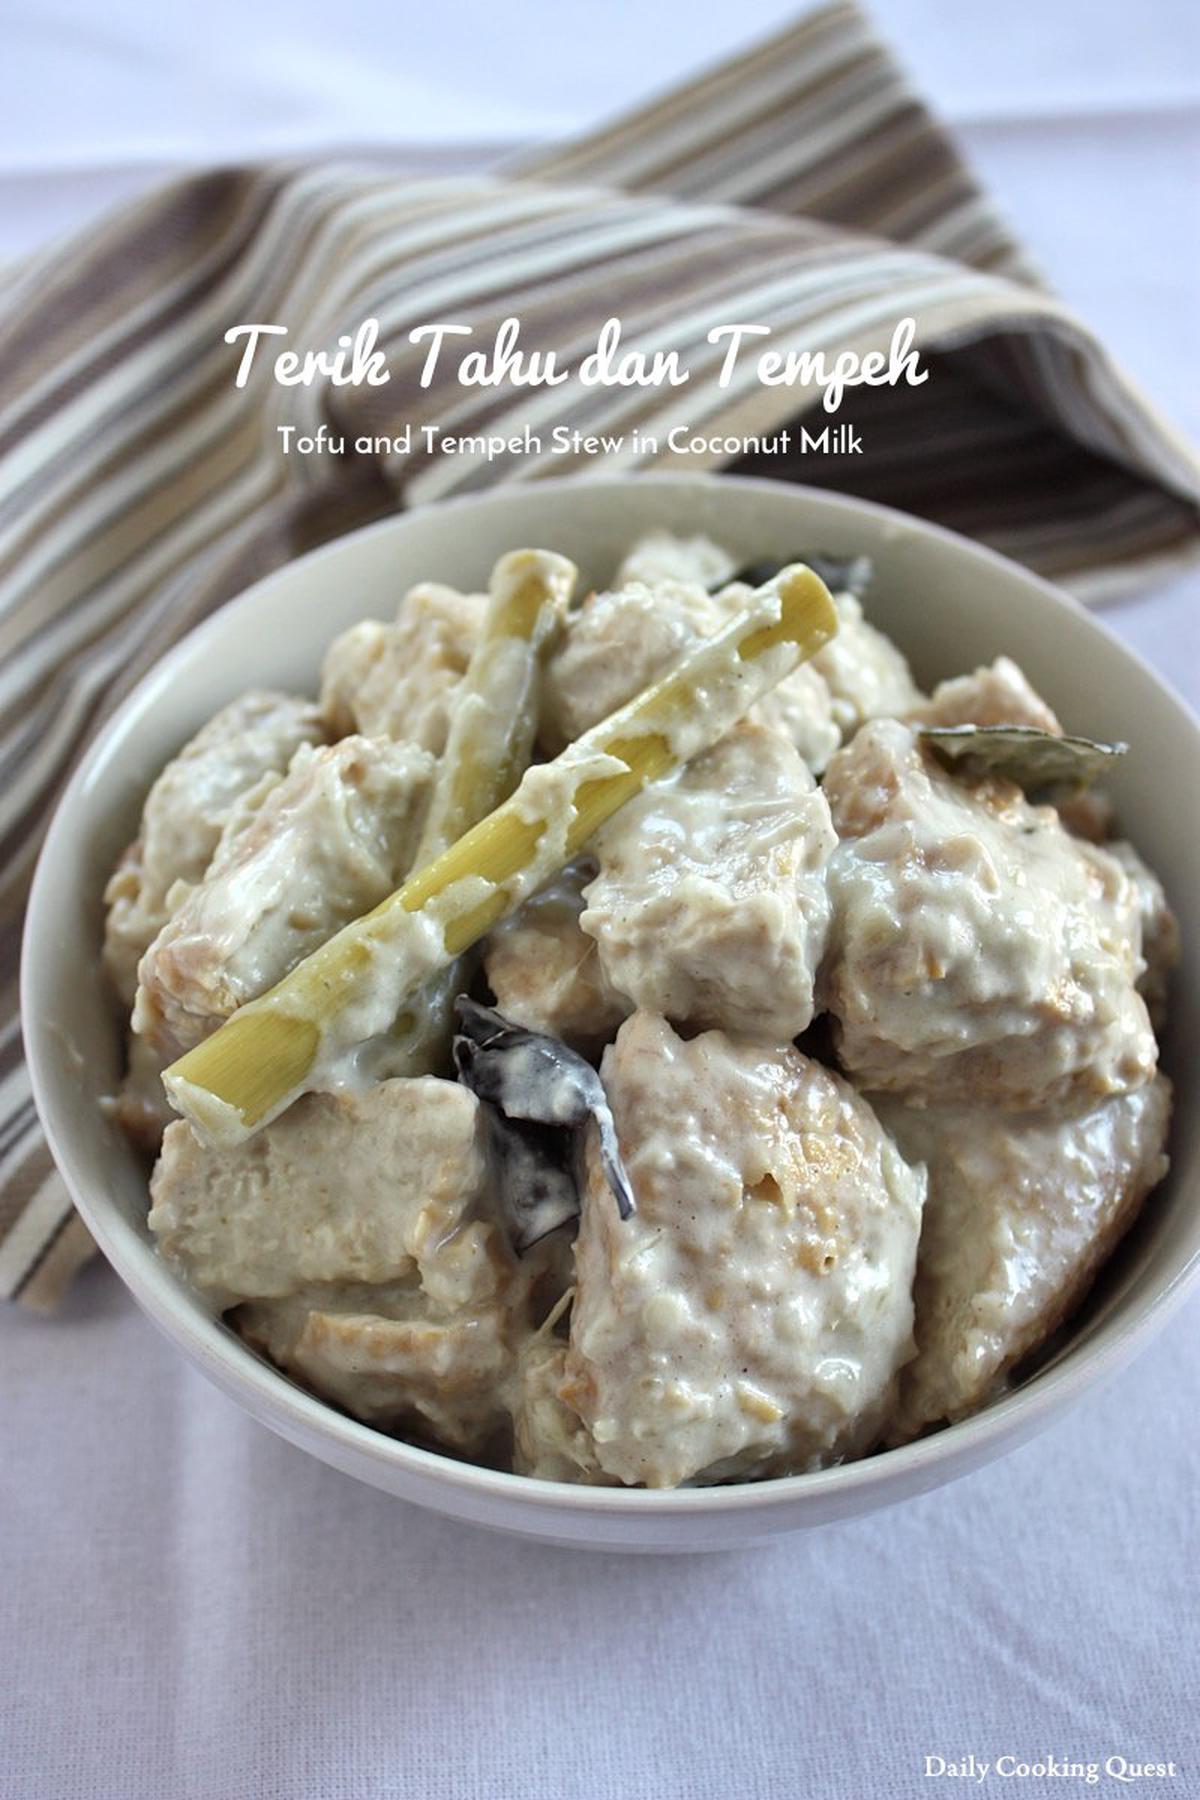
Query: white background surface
point(191, 1609)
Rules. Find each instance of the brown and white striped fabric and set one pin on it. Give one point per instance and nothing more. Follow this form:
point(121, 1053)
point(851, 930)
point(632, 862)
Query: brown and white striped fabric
point(803, 186)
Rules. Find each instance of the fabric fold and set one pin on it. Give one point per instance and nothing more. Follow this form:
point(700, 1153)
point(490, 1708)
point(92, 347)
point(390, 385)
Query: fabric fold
point(818, 122)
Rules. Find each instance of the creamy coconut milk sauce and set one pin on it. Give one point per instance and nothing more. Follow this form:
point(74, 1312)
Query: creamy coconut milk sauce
point(778, 1120)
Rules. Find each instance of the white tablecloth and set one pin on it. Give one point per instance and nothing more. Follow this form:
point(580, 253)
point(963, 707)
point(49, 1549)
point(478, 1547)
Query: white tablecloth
point(191, 1610)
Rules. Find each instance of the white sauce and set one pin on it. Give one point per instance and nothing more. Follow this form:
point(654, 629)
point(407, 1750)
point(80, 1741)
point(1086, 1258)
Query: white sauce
point(1021, 1212)
point(753, 1314)
point(710, 904)
point(546, 973)
point(400, 680)
point(978, 952)
point(186, 811)
point(618, 642)
point(327, 843)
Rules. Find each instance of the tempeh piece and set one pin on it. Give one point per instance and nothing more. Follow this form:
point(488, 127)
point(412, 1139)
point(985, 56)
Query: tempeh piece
point(186, 812)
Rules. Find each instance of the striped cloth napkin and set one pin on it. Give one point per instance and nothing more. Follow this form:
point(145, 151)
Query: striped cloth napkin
point(803, 185)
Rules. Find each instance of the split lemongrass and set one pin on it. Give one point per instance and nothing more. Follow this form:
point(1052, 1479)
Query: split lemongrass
point(492, 730)
point(495, 708)
point(307, 1031)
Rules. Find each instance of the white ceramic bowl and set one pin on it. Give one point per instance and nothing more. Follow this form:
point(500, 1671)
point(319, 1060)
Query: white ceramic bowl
point(950, 605)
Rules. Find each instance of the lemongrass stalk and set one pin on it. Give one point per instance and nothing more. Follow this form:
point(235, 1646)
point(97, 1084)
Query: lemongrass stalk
point(308, 1030)
point(492, 730)
point(495, 720)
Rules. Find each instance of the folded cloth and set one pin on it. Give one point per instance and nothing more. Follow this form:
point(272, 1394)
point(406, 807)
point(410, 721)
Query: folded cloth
point(801, 185)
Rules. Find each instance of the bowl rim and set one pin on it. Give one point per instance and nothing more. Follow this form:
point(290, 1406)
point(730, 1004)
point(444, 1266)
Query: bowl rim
point(270, 1396)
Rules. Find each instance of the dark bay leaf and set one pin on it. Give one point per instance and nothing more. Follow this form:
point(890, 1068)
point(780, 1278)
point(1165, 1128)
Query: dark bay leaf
point(536, 1174)
point(541, 1095)
point(1022, 753)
